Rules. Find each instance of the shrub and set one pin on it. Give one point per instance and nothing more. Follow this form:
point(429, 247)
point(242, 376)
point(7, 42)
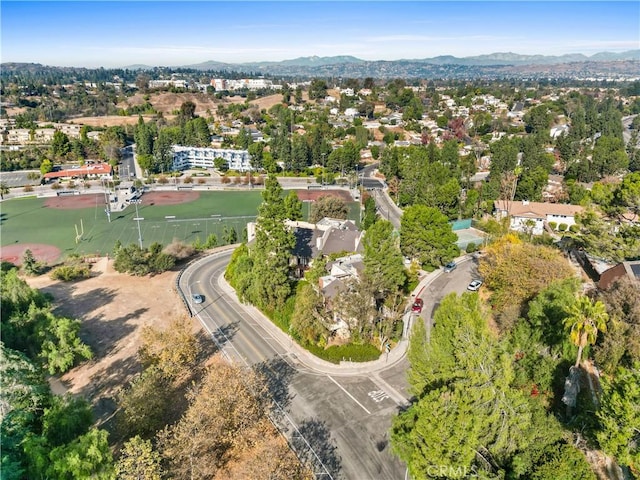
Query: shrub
point(162, 180)
point(87, 185)
point(236, 180)
point(68, 273)
point(553, 225)
point(574, 228)
point(350, 352)
point(563, 227)
point(471, 247)
point(225, 179)
point(56, 186)
point(71, 184)
point(28, 188)
point(179, 250)
point(258, 180)
point(202, 181)
point(187, 180)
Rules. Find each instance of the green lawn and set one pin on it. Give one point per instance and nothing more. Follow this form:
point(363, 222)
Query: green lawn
point(27, 220)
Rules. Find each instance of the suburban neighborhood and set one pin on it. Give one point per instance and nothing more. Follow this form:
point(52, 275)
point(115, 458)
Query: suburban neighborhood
point(321, 268)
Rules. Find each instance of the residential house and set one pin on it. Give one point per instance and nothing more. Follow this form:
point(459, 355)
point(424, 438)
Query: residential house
point(532, 217)
point(630, 270)
point(328, 236)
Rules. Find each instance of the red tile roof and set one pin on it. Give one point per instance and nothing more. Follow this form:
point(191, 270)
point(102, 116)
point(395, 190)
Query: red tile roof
point(93, 169)
point(537, 209)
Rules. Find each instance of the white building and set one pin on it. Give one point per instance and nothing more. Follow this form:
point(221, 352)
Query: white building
point(203, 157)
point(532, 216)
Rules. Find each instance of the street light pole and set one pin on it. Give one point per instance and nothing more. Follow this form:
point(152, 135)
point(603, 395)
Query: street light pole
point(137, 219)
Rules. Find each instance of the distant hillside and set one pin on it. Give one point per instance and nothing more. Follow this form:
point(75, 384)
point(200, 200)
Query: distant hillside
point(494, 65)
point(509, 58)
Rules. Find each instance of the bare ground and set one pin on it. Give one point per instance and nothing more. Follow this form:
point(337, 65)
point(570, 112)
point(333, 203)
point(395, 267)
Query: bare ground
point(113, 309)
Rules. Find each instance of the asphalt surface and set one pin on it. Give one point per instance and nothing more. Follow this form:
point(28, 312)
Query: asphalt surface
point(338, 416)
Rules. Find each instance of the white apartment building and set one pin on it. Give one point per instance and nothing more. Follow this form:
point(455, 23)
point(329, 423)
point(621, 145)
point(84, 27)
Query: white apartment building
point(249, 83)
point(203, 157)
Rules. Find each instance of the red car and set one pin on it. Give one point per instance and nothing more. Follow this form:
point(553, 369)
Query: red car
point(417, 305)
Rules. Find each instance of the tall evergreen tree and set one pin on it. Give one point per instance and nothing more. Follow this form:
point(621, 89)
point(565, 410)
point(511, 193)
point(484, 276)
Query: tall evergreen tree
point(270, 284)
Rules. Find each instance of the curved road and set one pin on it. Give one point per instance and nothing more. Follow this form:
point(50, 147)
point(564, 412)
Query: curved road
point(344, 419)
point(337, 417)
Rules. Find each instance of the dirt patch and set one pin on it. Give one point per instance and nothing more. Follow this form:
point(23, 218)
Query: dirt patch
point(168, 102)
point(107, 120)
point(113, 308)
point(169, 198)
point(73, 202)
point(313, 195)
point(42, 252)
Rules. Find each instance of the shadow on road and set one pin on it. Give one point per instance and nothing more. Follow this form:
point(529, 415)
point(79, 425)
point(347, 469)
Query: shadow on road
point(318, 436)
point(277, 374)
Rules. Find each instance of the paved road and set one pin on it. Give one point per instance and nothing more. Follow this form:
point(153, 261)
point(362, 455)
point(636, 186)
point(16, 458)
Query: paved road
point(344, 418)
point(386, 208)
point(626, 130)
point(343, 412)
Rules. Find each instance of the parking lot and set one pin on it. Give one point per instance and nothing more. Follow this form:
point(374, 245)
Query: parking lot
point(19, 179)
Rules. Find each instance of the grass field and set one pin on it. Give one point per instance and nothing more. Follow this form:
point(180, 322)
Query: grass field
point(27, 220)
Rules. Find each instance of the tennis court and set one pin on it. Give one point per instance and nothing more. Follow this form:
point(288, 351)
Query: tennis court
point(469, 235)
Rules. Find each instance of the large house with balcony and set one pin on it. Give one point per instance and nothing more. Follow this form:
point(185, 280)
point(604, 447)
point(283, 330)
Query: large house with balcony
point(531, 217)
point(203, 157)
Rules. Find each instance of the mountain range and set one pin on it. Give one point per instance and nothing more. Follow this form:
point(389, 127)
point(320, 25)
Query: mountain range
point(499, 58)
point(603, 65)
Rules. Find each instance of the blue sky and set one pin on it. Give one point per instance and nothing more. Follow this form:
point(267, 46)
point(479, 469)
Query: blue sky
point(121, 33)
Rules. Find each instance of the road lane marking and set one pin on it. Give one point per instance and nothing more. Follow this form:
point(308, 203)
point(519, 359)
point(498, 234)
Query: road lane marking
point(350, 396)
point(378, 395)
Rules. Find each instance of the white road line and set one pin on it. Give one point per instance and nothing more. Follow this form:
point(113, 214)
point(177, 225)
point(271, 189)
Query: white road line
point(350, 396)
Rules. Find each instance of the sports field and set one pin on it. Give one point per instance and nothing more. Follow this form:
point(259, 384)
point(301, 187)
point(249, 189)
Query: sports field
point(29, 220)
point(40, 222)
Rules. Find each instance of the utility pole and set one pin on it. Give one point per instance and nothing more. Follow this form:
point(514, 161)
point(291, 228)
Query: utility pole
point(137, 219)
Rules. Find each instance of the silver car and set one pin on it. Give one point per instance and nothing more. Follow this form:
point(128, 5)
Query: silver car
point(197, 298)
point(474, 285)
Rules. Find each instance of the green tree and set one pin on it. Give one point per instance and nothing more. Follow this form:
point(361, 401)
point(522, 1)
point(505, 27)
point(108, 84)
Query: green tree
point(24, 393)
point(466, 415)
point(370, 214)
point(29, 263)
point(328, 206)
point(308, 316)
point(383, 263)
point(61, 345)
point(65, 419)
point(46, 166)
point(293, 206)
point(86, 457)
point(317, 89)
point(586, 318)
point(60, 145)
point(609, 156)
point(426, 235)
point(270, 286)
point(619, 417)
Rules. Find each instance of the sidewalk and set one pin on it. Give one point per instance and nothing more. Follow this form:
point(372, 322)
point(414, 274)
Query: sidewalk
point(314, 363)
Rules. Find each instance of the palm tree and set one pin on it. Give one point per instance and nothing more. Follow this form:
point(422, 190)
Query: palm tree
point(585, 320)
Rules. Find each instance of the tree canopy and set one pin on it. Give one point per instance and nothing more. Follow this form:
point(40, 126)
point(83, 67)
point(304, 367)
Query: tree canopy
point(427, 236)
